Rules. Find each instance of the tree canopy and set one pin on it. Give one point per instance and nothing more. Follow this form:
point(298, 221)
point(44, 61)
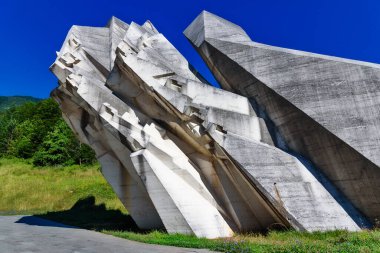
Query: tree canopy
point(37, 131)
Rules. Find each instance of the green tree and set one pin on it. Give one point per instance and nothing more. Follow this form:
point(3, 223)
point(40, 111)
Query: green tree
point(25, 139)
point(61, 147)
point(85, 154)
point(36, 130)
point(55, 147)
point(7, 129)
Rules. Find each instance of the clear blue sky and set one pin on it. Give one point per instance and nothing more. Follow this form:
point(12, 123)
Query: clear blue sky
point(31, 31)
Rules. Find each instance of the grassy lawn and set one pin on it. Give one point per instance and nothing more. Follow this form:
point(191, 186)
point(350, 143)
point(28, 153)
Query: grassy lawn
point(80, 196)
point(25, 189)
point(289, 241)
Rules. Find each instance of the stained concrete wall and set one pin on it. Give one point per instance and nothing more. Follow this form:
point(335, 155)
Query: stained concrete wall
point(324, 108)
point(179, 153)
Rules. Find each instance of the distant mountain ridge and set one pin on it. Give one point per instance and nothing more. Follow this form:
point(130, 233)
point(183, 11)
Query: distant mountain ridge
point(7, 102)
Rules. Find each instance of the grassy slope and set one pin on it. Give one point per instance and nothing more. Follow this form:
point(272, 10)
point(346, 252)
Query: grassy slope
point(30, 190)
point(80, 196)
point(7, 102)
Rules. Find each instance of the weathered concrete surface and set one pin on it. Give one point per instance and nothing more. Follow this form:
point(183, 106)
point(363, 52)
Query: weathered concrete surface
point(181, 154)
point(28, 234)
point(223, 118)
point(324, 108)
point(148, 172)
point(82, 104)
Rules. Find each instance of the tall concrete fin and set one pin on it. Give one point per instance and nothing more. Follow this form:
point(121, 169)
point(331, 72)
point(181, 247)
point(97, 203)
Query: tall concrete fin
point(323, 108)
point(208, 25)
point(117, 30)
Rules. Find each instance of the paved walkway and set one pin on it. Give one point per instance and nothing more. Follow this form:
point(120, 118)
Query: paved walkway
point(28, 234)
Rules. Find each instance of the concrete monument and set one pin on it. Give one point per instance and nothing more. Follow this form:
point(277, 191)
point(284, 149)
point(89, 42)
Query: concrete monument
point(324, 108)
point(191, 158)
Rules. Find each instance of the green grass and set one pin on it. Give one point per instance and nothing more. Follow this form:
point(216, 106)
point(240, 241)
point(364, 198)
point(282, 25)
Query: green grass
point(25, 189)
point(81, 197)
point(286, 241)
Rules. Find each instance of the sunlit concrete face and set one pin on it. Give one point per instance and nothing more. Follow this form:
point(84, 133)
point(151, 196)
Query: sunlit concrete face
point(181, 154)
point(324, 108)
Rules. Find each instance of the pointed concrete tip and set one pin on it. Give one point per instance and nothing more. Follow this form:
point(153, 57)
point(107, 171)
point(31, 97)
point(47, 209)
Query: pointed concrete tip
point(208, 25)
point(148, 24)
point(195, 31)
point(111, 21)
point(117, 21)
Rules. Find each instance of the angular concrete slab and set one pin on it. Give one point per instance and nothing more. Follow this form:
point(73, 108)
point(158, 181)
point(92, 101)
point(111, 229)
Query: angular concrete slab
point(181, 154)
point(323, 108)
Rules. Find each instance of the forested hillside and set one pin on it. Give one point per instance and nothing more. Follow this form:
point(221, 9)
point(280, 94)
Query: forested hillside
point(36, 131)
point(12, 101)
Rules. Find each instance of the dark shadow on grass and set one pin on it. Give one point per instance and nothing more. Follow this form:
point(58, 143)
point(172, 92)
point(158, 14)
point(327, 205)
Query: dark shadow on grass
point(86, 214)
